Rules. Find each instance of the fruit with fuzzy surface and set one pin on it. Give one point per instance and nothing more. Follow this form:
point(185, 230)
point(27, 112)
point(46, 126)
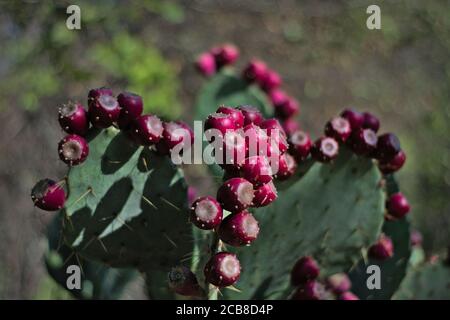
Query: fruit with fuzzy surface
point(383, 249)
point(147, 130)
point(206, 213)
point(339, 283)
point(223, 269)
point(48, 195)
point(300, 145)
point(394, 164)
point(239, 229)
point(255, 71)
point(286, 167)
point(73, 149)
point(397, 205)
point(338, 128)
point(355, 118)
point(370, 122)
point(104, 110)
point(206, 64)
point(257, 170)
point(265, 195)
point(363, 141)
point(131, 106)
point(251, 115)
point(388, 146)
point(73, 118)
point(305, 269)
point(235, 194)
point(325, 149)
point(184, 282)
point(236, 114)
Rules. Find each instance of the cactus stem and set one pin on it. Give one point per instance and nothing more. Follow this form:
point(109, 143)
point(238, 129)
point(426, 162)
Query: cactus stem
point(149, 202)
point(170, 203)
point(170, 240)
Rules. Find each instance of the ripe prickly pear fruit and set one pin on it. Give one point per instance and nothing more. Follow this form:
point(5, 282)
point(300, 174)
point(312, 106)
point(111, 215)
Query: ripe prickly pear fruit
point(225, 55)
point(239, 229)
point(73, 118)
point(235, 194)
point(104, 111)
point(355, 118)
point(388, 146)
point(270, 81)
point(287, 109)
point(325, 149)
point(397, 205)
point(383, 249)
point(176, 132)
point(48, 195)
point(236, 114)
point(310, 290)
point(184, 282)
point(371, 122)
point(73, 149)
point(305, 269)
point(223, 269)
point(286, 167)
point(219, 121)
point(131, 107)
point(255, 71)
point(147, 130)
point(394, 164)
point(363, 141)
point(257, 170)
point(339, 283)
point(206, 213)
point(97, 92)
point(300, 145)
point(206, 64)
point(265, 195)
point(251, 115)
point(290, 126)
point(338, 128)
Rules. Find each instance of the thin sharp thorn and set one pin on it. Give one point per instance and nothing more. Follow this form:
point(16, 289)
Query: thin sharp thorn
point(102, 244)
point(233, 288)
point(68, 258)
point(106, 218)
point(79, 264)
point(145, 163)
point(89, 190)
point(113, 161)
point(70, 221)
point(170, 203)
point(149, 202)
point(170, 240)
point(124, 223)
point(88, 243)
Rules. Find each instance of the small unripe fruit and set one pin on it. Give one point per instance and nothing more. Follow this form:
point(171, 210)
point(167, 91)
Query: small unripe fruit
point(223, 269)
point(371, 122)
point(339, 283)
point(236, 114)
point(239, 229)
point(255, 71)
point(131, 107)
point(306, 268)
point(397, 205)
point(311, 290)
point(383, 249)
point(225, 55)
point(184, 282)
point(394, 164)
point(206, 64)
point(287, 109)
point(265, 195)
point(338, 128)
point(286, 167)
point(347, 296)
point(235, 194)
point(355, 118)
point(73, 149)
point(388, 147)
point(48, 195)
point(270, 81)
point(103, 111)
point(300, 145)
point(363, 141)
point(251, 115)
point(325, 149)
point(257, 170)
point(147, 130)
point(73, 119)
point(206, 213)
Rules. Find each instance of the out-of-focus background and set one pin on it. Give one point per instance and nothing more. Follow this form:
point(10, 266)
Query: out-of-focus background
point(323, 49)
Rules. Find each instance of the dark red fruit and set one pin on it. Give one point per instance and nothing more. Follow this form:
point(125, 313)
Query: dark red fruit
point(287, 109)
point(388, 147)
point(103, 111)
point(97, 92)
point(225, 55)
point(255, 71)
point(73, 118)
point(234, 150)
point(325, 149)
point(286, 167)
point(347, 296)
point(383, 249)
point(239, 229)
point(256, 140)
point(206, 213)
point(184, 282)
point(270, 81)
point(339, 283)
point(370, 122)
point(300, 145)
point(290, 126)
point(251, 115)
point(131, 107)
point(355, 118)
point(236, 114)
point(223, 269)
point(257, 170)
point(73, 149)
point(265, 195)
point(176, 132)
point(306, 268)
point(394, 164)
point(235, 194)
point(48, 195)
point(277, 97)
point(276, 134)
point(147, 130)
point(397, 205)
point(219, 121)
point(206, 64)
point(363, 141)
point(338, 128)
point(311, 290)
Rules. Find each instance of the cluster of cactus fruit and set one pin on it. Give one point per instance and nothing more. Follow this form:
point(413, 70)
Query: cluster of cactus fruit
point(129, 195)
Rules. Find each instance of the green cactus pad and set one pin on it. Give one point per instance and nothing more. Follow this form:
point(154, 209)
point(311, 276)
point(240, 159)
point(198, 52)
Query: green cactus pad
point(332, 212)
point(427, 282)
point(127, 208)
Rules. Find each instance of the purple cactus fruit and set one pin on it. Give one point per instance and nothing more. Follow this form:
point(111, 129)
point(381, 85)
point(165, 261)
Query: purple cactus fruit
point(73, 118)
point(355, 118)
point(225, 55)
point(383, 249)
point(416, 238)
point(219, 121)
point(305, 269)
point(255, 71)
point(338, 128)
point(394, 164)
point(347, 296)
point(287, 109)
point(234, 150)
point(184, 282)
point(206, 64)
point(131, 106)
point(256, 140)
point(300, 145)
point(339, 283)
point(290, 126)
point(325, 149)
point(278, 97)
point(265, 195)
point(206, 213)
point(257, 170)
point(270, 81)
point(235, 194)
point(176, 132)
point(239, 229)
point(73, 149)
point(97, 92)
point(48, 195)
point(223, 269)
point(236, 114)
point(363, 141)
point(276, 134)
point(388, 147)
point(286, 167)
point(251, 115)
point(147, 130)
point(103, 111)
point(370, 122)
point(310, 290)
point(397, 205)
